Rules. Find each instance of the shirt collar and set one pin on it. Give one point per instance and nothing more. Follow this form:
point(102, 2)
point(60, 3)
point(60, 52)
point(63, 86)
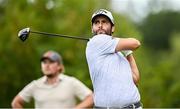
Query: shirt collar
point(60, 76)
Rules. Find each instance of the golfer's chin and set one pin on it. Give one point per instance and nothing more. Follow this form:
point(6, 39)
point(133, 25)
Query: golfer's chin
point(101, 32)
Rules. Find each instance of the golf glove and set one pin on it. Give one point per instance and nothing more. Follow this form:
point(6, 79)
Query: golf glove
point(126, 52)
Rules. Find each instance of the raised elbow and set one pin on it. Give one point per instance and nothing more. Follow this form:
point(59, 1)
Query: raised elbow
point(136, 44)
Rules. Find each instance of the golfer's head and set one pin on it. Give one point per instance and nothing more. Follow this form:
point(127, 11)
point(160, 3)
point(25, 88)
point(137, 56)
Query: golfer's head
point(51, 63)
point(102, 22)
point(103, 12)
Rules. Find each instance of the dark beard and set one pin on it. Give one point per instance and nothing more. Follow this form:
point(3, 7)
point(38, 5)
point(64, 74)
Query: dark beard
point(95, 33)
point(51, 75)
point(107, 33)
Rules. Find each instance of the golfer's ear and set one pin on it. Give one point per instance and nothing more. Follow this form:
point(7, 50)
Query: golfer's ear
point(113, 29)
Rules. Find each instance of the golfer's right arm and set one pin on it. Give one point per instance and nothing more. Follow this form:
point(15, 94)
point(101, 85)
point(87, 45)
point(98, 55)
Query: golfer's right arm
point(127, 44)
point(134, 68)
point(17, 102)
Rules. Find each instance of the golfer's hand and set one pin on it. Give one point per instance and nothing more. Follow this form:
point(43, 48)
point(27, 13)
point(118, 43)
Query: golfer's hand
point(126, 52)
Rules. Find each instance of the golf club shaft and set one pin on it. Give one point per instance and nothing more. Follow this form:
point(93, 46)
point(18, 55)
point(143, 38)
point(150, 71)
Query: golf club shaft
point(59, 35)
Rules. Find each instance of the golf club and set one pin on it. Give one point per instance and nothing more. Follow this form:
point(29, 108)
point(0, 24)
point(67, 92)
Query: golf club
point(24, 34)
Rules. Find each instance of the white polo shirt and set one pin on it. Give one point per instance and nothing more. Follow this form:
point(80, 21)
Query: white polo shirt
point(61, 95)
point(110, 73)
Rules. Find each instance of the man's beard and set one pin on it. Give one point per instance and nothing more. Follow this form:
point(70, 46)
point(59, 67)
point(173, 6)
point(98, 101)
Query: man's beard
point(50, 75)
point(102, 32)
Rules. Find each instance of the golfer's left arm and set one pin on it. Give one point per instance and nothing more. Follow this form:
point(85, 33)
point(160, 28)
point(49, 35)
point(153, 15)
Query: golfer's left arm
point(134, 68)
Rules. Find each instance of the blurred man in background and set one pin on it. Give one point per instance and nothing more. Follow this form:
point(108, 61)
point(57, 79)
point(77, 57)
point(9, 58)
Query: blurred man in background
point(113, 69)
point(54, 89)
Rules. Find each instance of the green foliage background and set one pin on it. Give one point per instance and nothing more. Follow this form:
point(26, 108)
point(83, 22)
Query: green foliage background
point(158, 58)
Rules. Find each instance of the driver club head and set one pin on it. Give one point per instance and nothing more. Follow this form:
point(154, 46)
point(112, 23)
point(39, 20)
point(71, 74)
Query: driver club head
point(24, 33)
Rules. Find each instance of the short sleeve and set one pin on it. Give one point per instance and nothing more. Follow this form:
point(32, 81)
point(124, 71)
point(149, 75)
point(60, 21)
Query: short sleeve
point(103, 44)
point(81, 91)
point(27, 92)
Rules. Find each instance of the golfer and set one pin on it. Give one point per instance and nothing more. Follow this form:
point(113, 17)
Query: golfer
point(54, 89)
point(113, 69)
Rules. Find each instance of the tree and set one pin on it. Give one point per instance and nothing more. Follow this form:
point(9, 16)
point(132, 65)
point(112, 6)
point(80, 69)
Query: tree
point(157, 29)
